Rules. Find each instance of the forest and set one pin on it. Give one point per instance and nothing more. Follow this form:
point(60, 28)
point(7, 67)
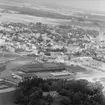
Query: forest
point(37, 91)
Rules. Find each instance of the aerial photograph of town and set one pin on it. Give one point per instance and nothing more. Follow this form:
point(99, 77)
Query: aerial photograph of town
point(52, 52)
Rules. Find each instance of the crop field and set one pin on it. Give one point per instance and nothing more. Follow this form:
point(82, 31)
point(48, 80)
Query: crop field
point(26, 19)
point(35, 15)
point(35, 12)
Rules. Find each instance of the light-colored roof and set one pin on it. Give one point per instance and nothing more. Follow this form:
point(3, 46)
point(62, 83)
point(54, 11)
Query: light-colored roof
point(61, 73)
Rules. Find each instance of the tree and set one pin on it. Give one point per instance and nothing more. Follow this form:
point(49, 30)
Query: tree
point(19, 96)
point(49, 99)
point(98, 98)
point(94, 88)
point(45, 87)
point(54, 86)
point(78, 98)
point(37, 94)
point(63, 92)
point(72, 92)
point(65, 101)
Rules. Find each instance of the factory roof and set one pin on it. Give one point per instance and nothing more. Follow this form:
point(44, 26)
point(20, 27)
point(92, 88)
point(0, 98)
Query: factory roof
point(41, 67)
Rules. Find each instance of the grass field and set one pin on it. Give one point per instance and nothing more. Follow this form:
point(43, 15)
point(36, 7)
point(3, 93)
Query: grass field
point(18, 63)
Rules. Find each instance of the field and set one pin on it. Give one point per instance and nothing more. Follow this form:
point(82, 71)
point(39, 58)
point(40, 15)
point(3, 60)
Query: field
point(95, 71)
point(36, 12)
point(15, 63)
point(28, 18)
point(25, 18)
point(18, 63)
point(6, 56)
point(49, 17)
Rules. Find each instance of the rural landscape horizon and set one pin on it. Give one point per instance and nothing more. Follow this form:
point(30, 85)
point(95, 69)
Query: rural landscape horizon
point(89, 5)
point(52, 52)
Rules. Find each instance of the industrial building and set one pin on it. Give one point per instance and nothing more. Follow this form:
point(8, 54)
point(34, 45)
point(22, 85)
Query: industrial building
point(63, 73)
point(42, 67)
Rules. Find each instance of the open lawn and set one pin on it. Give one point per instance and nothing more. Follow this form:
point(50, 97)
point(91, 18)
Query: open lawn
point(18, 63)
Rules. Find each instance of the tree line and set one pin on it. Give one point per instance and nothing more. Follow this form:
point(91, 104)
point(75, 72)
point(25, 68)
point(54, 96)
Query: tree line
point(36, 91)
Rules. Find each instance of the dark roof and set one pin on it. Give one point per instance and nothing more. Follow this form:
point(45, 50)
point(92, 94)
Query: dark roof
point(75, 69)
point(42, 67)
point(28, 75)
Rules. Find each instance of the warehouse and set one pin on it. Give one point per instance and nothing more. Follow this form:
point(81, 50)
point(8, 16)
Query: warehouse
point(63, 73)
point(42, 67)
point(27, 75)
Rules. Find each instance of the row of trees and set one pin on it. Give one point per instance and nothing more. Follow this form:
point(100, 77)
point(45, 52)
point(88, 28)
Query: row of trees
point(72, 92)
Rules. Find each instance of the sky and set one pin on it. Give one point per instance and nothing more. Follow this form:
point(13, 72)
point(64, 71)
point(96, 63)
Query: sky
point(98, 5)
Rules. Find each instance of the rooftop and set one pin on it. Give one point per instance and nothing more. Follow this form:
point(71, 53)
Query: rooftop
point(26, 75)
point(42, 67)
point(63, 73)
point(75, 68)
